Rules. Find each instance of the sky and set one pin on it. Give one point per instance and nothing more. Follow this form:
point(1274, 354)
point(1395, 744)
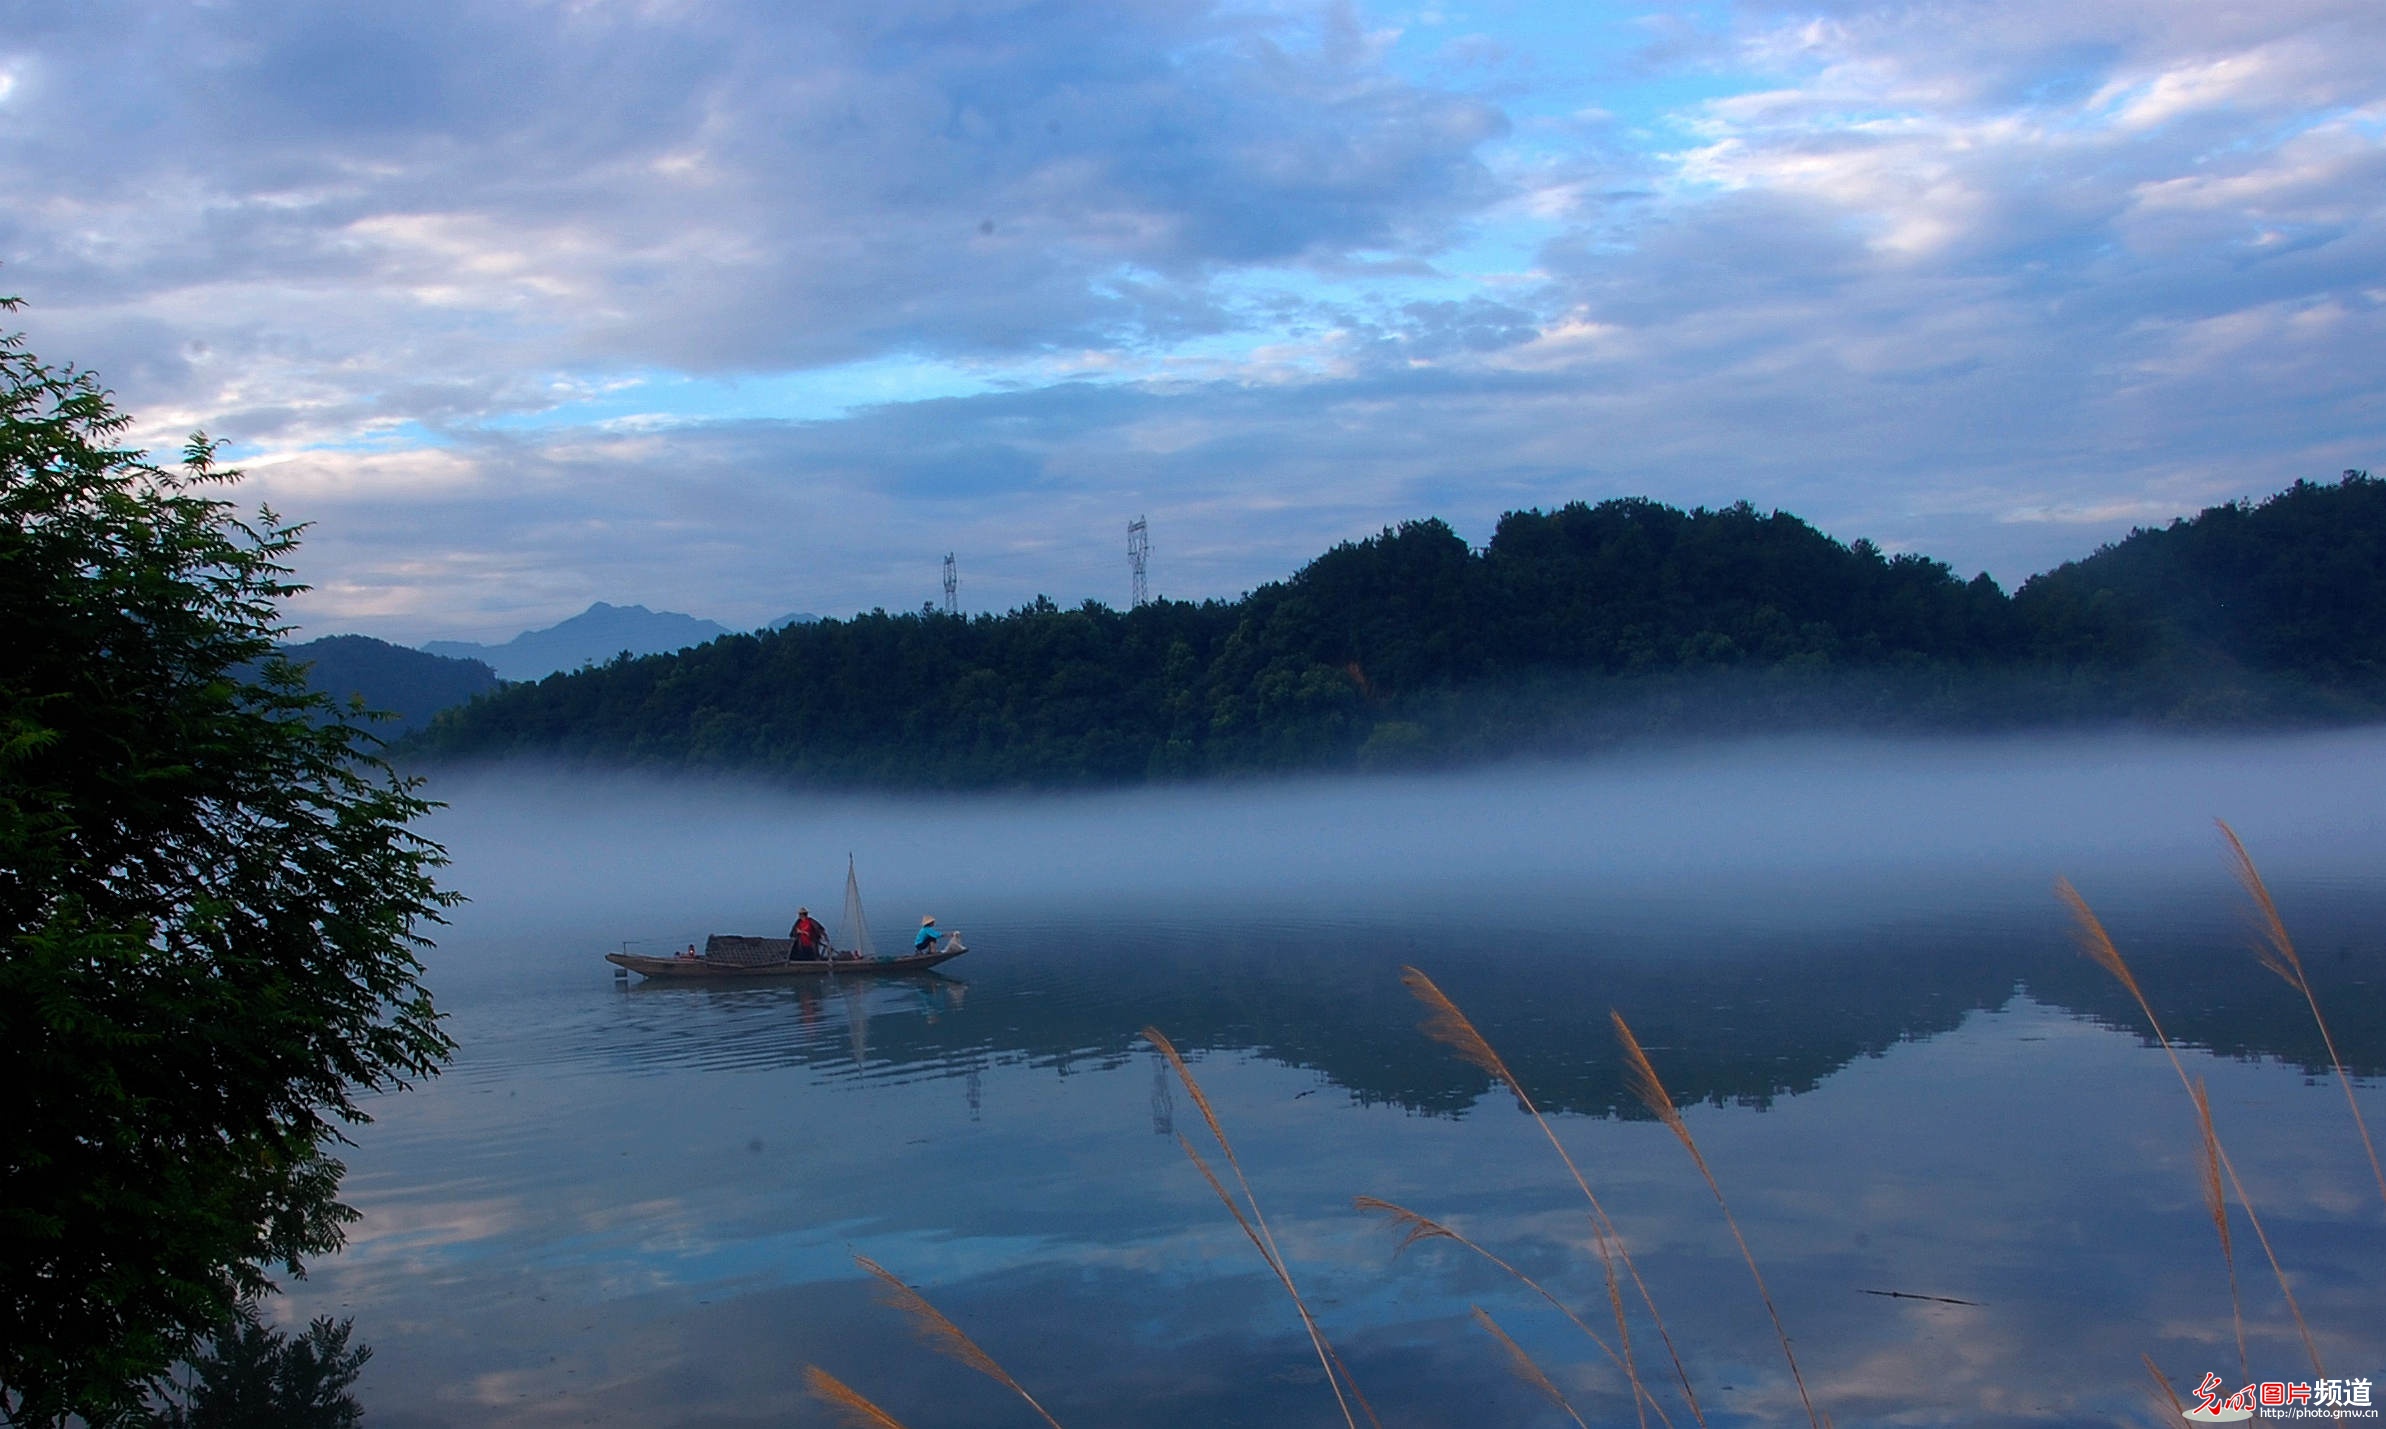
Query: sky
point(742, 309)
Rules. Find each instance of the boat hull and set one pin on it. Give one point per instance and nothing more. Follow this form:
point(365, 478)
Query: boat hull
point(706, 970)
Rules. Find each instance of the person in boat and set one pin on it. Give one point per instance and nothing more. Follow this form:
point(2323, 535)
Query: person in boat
point(808, 934)
point(927, 936)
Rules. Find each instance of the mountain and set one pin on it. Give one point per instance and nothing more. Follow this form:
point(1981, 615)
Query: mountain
point(1571, 629)
point(410, 683)
point(592, 637)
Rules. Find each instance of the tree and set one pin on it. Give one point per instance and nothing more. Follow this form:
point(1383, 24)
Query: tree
point(211, 910)
point(255, 1377)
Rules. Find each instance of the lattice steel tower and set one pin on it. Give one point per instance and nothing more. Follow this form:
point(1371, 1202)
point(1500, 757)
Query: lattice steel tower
point(1139, 556)
point(952, 586)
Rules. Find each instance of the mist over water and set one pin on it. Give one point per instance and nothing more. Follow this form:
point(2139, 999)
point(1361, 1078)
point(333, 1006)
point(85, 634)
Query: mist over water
point(1886, 823)
point(634, 1204)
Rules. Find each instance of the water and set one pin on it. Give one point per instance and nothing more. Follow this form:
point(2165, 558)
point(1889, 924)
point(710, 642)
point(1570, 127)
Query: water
point(639, 1204)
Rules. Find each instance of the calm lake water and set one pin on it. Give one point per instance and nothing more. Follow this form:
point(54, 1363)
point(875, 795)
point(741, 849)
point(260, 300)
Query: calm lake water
point(638, 1205)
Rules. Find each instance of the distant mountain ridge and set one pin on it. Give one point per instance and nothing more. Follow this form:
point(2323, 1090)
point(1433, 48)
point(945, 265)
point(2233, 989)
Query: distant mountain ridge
point(412, 684)
point(592, 637)
point(1570, 629)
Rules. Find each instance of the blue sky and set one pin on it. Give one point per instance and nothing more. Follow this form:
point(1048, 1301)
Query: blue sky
point(740, 308)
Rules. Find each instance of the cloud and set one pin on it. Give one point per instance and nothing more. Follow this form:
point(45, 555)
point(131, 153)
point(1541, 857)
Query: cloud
point(719, 188)
point(522, 303)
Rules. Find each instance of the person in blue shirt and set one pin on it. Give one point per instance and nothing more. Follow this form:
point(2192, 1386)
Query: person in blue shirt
point(927, 936)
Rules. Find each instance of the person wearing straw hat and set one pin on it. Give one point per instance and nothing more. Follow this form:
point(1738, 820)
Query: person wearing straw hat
point(926, 938)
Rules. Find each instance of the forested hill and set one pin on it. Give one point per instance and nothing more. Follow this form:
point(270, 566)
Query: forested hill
point(410, 684)
point(1572, 627)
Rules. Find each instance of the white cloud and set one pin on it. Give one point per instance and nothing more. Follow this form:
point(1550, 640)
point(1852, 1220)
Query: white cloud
point(1989, 280)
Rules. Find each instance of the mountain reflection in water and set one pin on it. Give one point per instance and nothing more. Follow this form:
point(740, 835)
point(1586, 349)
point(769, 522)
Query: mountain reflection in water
point(636, 1204)
point(1740, 1020)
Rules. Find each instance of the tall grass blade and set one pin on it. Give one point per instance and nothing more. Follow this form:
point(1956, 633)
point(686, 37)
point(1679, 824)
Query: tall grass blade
point(943, 1336)
point(846, 1401)
point(1522, 1363)
point(1642, 1076)
point(2098, 945)
point(2216, 1205)
point(1414, 1227)
point(2277, 952)
point(1444, 1023)
point(1255, 1226)
point(2164, 1395)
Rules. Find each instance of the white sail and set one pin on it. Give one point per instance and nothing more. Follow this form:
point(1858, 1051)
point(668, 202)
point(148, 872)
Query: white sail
point(856, 927)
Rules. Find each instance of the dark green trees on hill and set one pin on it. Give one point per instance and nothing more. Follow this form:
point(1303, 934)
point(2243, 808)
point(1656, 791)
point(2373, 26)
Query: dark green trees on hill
point(409, 684)
point(2293, 587)
point(1575, 625)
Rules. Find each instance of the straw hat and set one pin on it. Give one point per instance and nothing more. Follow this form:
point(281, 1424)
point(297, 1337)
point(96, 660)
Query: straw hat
point(924, 922)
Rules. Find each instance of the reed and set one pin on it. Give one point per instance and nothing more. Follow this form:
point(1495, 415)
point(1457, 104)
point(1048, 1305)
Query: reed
point(1255, 1226)
point(2277, 952)
point(2216, 1205)
point(845, 1401)
point(2160, 1386)
point(1642, 1075)
point(1415, 1227)
point(1524, 1366)
point(943, 1336)
point(2099, 946)
point(1445, 1024)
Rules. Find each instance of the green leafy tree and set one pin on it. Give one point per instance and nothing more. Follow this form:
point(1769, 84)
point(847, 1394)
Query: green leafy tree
point(210, 911)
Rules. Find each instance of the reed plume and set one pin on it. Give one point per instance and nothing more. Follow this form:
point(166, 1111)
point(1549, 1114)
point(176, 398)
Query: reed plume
point(1255, 1226)
point(1414, 1227)
point(943, 1336)
point(1642, 1077)
point(846, 1401)
point(2098, 945)
point(2216, 1205)
point(1445, 1024)
point(2277, 952)
point(1522, 1363)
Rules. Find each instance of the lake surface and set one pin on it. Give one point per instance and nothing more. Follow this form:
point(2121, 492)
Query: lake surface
point(638, 1205)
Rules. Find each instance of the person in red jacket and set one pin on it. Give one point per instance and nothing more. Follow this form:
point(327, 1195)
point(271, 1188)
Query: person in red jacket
point(808, 935)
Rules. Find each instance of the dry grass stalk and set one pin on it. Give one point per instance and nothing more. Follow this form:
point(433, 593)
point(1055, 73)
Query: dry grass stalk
point(2216, 1205)
point(1226, 1199)
point(1444, 1023)
point(1328, 1355)
point(1415, 1227)
point(2164, 1395)
point(2098, 945)
point(943, 1336)
point(846, 1401)
point(2277, 952)
point(1255, 1226)
point(1642, 1076)
point(1522, 1363)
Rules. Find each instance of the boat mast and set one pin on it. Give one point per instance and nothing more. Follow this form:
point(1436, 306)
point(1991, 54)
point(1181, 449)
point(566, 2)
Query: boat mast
point(857, 927)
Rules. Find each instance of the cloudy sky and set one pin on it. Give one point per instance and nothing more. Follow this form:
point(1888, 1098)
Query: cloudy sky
point(741, 309)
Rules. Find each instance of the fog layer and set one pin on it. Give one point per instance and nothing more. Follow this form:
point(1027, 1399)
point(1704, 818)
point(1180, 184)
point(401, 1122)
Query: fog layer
point(1760, 830)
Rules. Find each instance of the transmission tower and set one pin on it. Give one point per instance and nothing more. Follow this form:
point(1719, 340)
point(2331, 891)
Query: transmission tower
point(952, 586)
point(1139, 556)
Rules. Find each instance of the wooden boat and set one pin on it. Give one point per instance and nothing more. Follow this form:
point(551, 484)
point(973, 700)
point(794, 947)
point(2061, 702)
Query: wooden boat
point(733, 955)
point(729, 955)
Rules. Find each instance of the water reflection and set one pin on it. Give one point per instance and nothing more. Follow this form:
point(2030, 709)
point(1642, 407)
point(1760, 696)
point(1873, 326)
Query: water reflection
point(636, 1205)
point(1739, 1018)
